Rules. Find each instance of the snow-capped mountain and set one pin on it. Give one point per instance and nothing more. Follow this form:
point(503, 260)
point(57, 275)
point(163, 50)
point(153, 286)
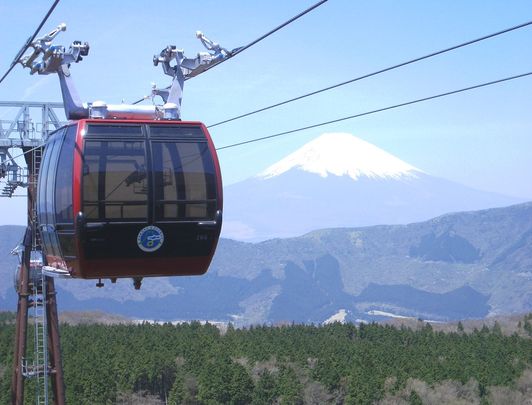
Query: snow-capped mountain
point(339, 180)
point(342, 154)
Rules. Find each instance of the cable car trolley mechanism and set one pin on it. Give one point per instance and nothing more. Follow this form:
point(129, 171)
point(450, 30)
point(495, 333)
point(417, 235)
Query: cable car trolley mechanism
point(127, 191)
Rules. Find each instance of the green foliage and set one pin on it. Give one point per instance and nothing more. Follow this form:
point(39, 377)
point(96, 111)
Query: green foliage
point(527, 325)
point(265, 390)
point(289, 387)
point(414, 399)
point(195, 364)
point(184, 390)
point(7, 317)
point(222, 381)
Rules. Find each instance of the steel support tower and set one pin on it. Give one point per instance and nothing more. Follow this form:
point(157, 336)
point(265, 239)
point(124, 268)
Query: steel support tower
point(24, 137)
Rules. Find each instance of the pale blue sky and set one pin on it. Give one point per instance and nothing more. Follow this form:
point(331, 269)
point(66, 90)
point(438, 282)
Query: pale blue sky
point(482, 138)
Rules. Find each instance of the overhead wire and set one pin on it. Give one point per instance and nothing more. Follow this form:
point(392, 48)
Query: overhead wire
point(29, 41)
point(419, 100)
point(416, 101)
point(254, 42)
point(239, 50)
point(279, 27)
point(365, 76)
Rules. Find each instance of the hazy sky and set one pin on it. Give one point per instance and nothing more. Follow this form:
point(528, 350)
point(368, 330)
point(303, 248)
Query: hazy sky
point(481, 138)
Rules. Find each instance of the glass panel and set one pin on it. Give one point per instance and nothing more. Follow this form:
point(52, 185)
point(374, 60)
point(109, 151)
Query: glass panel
point(50, 177)
point(196, 211)
point(170, 210)
point(205, 210)
point(63, 185)
point(41, 195)
point(67, 244)
point(183, 171)
point(90, 180)
point(41, 186)
point(115, 180)
point(114, 130)
point(192, 168)
point(47, 192)
point(181, 132)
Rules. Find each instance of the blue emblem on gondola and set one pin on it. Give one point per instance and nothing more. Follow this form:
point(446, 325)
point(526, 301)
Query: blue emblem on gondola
point(150, 238)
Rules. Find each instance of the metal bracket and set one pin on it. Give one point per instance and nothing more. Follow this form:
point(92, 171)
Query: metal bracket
point(53, 56)
point(47, 58)
point(186, 68)
point(191, 67)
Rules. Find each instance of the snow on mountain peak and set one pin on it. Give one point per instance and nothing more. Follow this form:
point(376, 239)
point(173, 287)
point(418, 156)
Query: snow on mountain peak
point(342, 154)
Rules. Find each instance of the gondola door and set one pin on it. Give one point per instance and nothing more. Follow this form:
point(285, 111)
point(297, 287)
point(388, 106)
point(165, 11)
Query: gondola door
point(115, 191)
point(151, 200)
point(186, 199)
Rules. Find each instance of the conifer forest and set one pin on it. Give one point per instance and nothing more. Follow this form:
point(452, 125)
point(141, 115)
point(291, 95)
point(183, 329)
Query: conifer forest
point(195, 363)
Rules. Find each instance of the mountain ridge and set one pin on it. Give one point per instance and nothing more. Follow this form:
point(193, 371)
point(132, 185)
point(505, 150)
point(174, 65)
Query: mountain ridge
point(298, 202)
point(421, 270)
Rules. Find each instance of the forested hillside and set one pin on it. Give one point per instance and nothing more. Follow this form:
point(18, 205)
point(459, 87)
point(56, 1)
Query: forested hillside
point(369, 363)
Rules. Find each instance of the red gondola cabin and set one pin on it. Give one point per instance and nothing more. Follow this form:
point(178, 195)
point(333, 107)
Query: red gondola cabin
point(129, 199)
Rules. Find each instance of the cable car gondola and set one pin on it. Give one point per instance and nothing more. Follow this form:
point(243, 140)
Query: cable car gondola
point(127, 190)
point(129, 198)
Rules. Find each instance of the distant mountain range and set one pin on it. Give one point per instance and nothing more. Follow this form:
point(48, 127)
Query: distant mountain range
point(339, 180)
point(456, 266)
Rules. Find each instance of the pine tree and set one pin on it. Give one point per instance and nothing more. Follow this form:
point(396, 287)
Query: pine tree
point(265, 390)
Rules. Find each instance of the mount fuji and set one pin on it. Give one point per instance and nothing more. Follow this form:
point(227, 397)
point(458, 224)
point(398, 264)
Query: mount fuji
point(339, 180)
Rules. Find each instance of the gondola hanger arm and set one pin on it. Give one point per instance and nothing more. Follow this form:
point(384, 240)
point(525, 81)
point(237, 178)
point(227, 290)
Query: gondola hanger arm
point(190, 67)
point(180, 68)
point(53, 57)
point(47, 58)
